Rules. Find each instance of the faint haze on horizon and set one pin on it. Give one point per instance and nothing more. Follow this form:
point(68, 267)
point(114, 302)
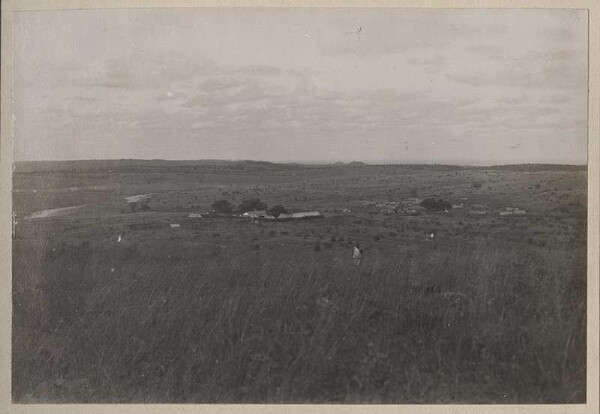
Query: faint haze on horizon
point(298, 162)
point(427, 86)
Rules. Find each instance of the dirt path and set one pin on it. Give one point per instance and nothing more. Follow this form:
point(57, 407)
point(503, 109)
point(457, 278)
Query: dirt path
point(53, 212)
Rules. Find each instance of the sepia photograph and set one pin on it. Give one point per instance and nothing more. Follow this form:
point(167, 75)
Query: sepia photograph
point(299, 205)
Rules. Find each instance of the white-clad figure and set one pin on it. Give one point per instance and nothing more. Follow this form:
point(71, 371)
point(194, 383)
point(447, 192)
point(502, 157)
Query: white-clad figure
point(356, 254)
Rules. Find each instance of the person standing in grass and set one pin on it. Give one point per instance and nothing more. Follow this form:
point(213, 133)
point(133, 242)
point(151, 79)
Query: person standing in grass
point(357, 254)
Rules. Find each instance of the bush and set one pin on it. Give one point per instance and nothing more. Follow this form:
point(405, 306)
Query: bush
point(252, 204)
point(222, 206)
point(276, 210)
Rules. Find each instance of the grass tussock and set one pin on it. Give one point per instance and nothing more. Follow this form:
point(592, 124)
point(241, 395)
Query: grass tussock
point(464, 325)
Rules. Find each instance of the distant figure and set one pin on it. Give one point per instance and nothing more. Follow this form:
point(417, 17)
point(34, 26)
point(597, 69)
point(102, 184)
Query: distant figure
point(356, 254)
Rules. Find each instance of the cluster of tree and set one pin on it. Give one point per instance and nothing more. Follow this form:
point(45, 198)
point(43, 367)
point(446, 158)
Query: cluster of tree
point(251, 204)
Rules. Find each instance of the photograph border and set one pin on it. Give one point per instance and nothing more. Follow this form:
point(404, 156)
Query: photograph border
point(6, 169)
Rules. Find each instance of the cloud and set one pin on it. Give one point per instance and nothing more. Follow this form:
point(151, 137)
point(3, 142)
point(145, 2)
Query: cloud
point(430, 64)
point(469, 80)
point(556, 75)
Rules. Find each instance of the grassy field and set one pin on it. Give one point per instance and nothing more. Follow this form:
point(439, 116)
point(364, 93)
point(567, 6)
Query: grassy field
point(222, 310)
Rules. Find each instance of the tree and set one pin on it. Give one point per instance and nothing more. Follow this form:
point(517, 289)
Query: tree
point(276, 210)
point(252, 204)
point(222, 206)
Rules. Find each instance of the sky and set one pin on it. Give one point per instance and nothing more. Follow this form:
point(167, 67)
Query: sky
point(473, 87)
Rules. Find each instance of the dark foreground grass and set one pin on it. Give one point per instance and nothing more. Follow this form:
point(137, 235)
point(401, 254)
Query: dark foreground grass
point(473, 325)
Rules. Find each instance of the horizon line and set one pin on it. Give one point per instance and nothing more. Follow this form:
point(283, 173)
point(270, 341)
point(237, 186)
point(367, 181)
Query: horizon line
point(304, 162)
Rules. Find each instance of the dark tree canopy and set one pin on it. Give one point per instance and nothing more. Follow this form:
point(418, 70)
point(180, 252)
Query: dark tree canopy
point(222, 206)
point(252, 204)
point(276, 210)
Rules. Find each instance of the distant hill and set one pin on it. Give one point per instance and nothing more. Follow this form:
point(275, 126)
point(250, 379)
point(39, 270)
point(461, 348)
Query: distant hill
point(537, 167)
point(137, 165)
point(105, 165)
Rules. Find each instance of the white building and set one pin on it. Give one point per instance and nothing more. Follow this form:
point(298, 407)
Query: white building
point(301, 215)
point(255, 214)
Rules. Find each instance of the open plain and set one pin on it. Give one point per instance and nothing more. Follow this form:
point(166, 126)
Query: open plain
point(113, 304)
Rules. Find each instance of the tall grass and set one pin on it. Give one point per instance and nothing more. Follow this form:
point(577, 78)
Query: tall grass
point(487, 324)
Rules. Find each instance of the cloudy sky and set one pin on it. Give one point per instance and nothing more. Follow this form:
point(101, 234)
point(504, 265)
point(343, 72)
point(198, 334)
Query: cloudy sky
point(432, 86)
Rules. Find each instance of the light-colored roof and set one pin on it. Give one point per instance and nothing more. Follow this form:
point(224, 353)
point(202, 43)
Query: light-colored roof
point(300, 214)
point(306, 213)
point(255, 213)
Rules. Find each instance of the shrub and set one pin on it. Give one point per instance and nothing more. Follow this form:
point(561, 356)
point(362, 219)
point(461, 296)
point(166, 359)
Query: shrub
point(276, 210)
point(252, 204)
point(222, 207)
